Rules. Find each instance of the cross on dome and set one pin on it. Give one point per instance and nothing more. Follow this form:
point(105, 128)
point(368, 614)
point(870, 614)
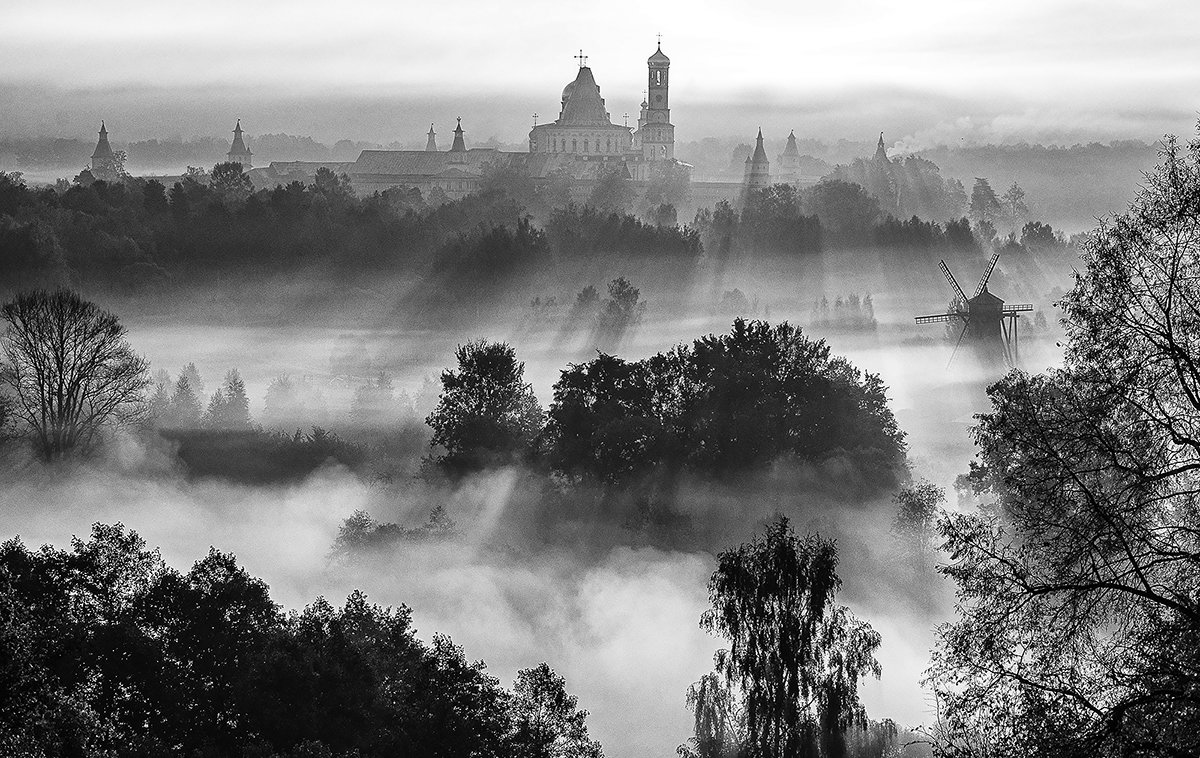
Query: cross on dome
point(581, 58)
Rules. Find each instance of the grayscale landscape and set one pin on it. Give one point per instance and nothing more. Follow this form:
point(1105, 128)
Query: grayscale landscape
point(552, 381)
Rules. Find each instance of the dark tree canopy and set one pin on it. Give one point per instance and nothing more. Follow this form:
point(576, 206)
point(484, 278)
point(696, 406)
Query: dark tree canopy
point(70, 369)
point(105, 650)
point(547, 721)
point(487, 414)
point(788, 683)
point(724, 405)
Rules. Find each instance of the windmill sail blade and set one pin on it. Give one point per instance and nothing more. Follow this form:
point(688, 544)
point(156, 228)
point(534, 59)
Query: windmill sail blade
point(961, 334)
point(987, 274)
point(950, 278)
point(935, 318)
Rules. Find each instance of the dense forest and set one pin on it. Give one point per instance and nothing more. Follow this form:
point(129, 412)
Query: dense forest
point(147, 245)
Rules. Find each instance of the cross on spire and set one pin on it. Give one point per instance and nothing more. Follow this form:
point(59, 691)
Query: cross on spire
point(535, 119)
point(626, 119)
point(581, 58)
point(660, 39)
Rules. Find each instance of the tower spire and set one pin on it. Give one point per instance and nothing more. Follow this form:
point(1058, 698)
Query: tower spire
point(103, 149)
point(238, 152)
point(431, 140)
point(881, 150)
point(459, 145)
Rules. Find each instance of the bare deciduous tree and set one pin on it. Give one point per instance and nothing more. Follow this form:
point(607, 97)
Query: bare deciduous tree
point(70, 369)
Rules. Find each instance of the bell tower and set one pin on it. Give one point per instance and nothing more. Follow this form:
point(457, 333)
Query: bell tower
point(654, 128)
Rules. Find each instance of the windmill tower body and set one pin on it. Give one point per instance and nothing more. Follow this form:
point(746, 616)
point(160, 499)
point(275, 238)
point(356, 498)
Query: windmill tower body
point(987, 324)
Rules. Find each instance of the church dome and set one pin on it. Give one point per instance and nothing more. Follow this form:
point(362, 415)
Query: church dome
point(567, 90)
point(583, 105)
point(658, 57)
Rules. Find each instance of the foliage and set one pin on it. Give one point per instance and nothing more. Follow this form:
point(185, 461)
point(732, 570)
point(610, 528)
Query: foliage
point(229, 182)
point(255, 456)
point(360, 533)
point(584, 232)
point(720, 407)
point(105, 650)
point(851, 313)
point(612, 193)
point(915, 524)
point(1013, 207)
point(788, 684)
point(1079, 584)
point(846, 211)
point(906, 187)
point(547, 721)
point(70, 369)
point(985, 206)
point(229, 408)
point(487, 414)
point(772, 222)
point(619, 314)
point(182, 411)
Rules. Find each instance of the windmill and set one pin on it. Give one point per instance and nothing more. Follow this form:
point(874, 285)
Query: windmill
point(987, 321)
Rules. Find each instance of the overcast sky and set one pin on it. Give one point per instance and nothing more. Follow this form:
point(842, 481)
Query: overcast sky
point(942, 70)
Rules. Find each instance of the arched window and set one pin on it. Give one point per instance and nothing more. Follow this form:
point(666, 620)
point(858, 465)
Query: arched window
point(585, 144)
point(574, 146)
point(608, 145)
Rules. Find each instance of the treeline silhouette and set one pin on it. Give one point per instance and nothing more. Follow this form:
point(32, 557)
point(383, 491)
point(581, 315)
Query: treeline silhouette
point(140, 238)
point(109, 651)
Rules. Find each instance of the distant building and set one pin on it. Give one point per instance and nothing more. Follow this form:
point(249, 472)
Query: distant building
point(881, 155)
point(655, 135)
point(582, 144)
point(758, 168)
point(788, 162)
point(238, 152)
point(583, 126)
point(105, 166)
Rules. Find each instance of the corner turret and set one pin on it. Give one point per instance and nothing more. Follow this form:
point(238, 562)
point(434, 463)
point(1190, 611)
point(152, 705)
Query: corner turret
point(758, 168)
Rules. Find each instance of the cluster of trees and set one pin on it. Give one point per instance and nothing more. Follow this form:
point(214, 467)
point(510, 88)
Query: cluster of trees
point(106, 650)
point(833, 214)
point(360, 533)
point(907, 186)
point(607, 322)
point(720, 407)
point(183, 408)
point(1079, 577)
point(138, 236)
point(851, 313)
